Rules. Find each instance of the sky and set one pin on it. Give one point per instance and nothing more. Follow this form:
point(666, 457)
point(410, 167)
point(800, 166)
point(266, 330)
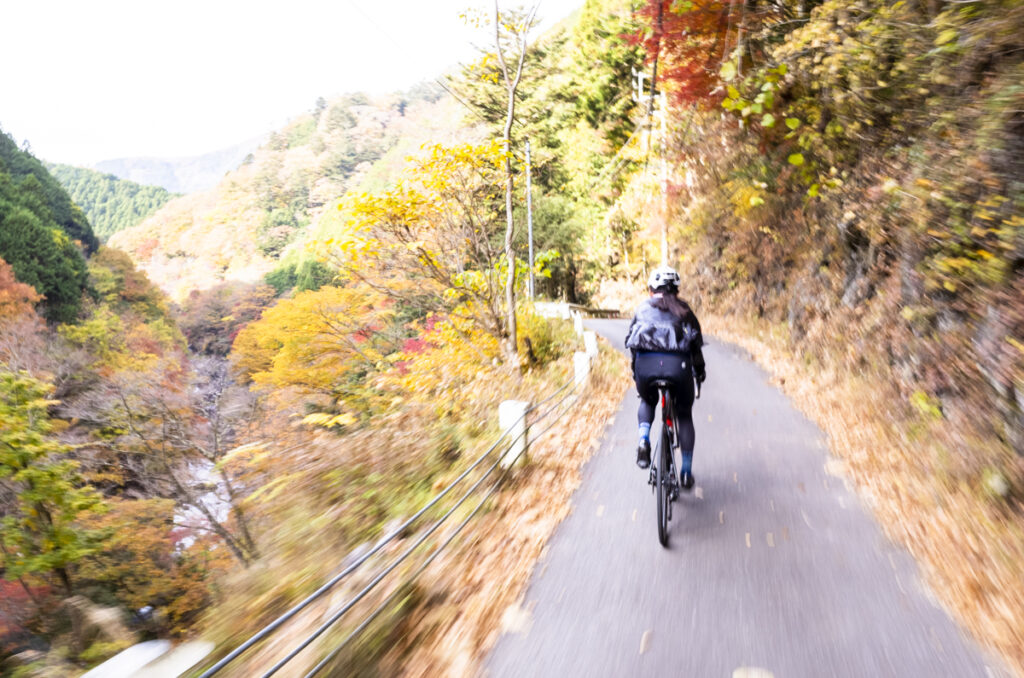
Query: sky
point(90, 80)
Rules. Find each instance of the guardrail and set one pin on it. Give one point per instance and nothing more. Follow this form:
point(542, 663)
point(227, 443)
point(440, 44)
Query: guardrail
point(561, 309)
point(502, 455)
point(595, 312)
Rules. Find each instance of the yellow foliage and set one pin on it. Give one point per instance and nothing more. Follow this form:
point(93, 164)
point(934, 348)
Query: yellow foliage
point(328, 421)
point(431, 234)
point(450, 356)
point(324, 341)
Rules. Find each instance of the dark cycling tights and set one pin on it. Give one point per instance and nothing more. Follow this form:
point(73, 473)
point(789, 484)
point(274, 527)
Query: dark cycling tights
point(648, 367)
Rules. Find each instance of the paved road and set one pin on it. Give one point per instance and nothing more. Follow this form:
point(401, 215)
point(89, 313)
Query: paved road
point(773, 564)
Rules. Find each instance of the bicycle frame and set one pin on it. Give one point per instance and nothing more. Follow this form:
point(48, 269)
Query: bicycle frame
point(664, 479)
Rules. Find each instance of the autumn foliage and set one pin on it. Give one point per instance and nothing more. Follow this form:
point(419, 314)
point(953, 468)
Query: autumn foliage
point(688, 41)
point(15, 298)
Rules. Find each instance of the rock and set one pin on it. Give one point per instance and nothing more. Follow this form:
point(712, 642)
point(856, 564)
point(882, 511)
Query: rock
point(91, 622)
point(24, 658)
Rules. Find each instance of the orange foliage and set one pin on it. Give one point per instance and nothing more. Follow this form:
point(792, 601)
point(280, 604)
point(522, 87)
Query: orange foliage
point(143, 562)
point(692, 39)
point(15, 298)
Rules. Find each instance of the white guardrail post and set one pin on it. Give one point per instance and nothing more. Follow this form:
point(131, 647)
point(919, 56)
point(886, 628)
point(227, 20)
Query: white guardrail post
point(512, 415)
point(590, 344)
point(581, 365)
point(577, 322)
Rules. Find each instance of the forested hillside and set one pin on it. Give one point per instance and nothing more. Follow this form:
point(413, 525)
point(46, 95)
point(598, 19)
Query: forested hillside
point(214, 458)
point(240, 229)
point(87, 504)
point(44, 236)
point(111, 204)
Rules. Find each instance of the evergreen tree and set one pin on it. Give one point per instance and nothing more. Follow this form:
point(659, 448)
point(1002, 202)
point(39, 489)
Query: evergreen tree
point(42, 233)
point(41, 254)
point(69, 217)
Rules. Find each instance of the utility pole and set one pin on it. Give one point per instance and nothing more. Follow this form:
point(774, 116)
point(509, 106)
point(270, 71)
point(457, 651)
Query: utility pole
point(649, 131)
point(529, 219)
point(664, 180)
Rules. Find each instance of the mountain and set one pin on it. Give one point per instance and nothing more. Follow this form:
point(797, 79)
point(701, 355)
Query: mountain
point(110, 203)
point(239, 229)
point(181, 175)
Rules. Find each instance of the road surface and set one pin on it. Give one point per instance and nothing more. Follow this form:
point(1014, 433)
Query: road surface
point(774, 566)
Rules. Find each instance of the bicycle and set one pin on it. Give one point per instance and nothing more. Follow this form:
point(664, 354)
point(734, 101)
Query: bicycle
point(664, 479)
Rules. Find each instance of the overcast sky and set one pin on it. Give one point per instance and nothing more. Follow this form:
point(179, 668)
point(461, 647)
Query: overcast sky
point(89, 80)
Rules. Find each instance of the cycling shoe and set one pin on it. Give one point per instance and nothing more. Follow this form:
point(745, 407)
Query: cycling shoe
point(643, 454)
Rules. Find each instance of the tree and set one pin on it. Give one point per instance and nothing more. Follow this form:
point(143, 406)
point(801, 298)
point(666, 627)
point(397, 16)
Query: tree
point(575, 105)
point(40, 253)
point(148, 560)
point(164, 428)
point(15, 298)
point(324, 342)
point(514, 30)
point(212, 318)
point(20, 166)
point(42, 497)
point(434, 241)
point(110, 203)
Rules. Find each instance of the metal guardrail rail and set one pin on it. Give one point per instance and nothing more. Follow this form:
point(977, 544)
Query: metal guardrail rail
point(595, 312)
point(566, 310)
point(568, 390)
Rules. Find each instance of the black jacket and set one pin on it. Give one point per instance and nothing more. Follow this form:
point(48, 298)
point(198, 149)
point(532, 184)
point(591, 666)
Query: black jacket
point(655, 330)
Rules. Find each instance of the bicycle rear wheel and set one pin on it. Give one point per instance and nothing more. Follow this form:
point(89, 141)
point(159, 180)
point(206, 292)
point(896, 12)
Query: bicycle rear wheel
point(663, 481)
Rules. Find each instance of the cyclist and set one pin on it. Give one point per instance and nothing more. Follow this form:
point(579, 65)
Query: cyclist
point(665, 340)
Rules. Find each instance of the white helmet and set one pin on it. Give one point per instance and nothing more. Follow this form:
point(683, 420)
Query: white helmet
point(665, 276)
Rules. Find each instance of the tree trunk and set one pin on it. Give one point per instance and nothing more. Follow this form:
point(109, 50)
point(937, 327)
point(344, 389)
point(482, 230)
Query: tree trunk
point(65, 579)
point(512, 347)
point(511, 85)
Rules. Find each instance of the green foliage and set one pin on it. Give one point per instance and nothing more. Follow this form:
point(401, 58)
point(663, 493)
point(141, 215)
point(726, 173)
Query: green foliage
point(19, 165)
point(101, 651)
point(301, 132)
point(575, 105)
point(40, 252)
point(41, 232)
point(110, 203)
point(308, 274)
point(39, 532)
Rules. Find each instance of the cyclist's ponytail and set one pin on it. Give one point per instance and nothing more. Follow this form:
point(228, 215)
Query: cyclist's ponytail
point(666, 300)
